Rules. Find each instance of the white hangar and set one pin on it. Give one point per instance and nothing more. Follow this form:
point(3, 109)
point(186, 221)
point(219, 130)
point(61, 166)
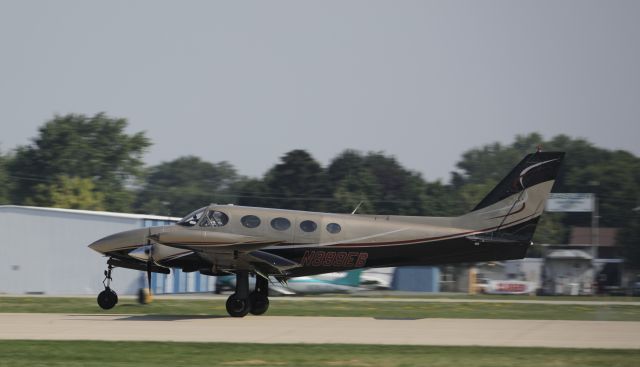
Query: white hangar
point(44, 251)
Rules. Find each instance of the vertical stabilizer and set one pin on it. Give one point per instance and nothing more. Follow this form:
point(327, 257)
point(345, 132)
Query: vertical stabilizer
point(351, 278)
point(533, 169)
point(512, 209)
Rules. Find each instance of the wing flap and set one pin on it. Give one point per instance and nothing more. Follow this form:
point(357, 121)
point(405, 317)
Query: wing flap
point(281, 264)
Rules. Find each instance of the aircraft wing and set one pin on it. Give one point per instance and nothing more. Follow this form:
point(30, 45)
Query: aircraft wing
point(223, 247)
point(205, 240)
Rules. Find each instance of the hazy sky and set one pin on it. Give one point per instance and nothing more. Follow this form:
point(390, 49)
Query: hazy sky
point(246, 82)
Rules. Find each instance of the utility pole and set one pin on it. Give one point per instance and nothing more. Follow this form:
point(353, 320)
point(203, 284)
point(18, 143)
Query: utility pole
point(595, 233)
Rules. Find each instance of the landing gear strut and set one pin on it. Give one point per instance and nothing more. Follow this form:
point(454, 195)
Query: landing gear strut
point(242, 302)
point(238, 304)
point(108, 298)
point(259, 298)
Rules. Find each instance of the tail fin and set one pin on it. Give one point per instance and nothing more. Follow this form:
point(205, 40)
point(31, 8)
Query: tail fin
point(512, 209)
point(351, 278)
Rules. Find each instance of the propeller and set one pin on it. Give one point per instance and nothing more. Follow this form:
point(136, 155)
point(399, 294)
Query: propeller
point(149, 250)
point(145, 253)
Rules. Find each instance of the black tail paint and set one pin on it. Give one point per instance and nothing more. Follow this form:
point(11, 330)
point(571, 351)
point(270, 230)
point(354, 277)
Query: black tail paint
point(535, 168)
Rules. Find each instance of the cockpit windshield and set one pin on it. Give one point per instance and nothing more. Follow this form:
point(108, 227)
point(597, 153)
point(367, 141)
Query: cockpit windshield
point(193, 218)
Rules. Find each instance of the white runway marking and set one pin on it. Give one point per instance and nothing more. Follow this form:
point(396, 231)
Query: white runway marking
point(352, 330)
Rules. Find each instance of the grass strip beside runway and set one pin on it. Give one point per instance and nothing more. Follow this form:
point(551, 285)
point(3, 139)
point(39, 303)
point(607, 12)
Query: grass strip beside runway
point(283, 307)
point(92, 353)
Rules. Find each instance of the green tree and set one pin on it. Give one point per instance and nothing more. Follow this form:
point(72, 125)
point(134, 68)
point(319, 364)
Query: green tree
point(252, 192)
point(96, 148)
point(5, 182)
point(380, 182)
point(185, 184)
point(297, 182)
point(400, 191)
point(615, 183)
point(299, 177)
point(441, 200)
point(352, 183)
point(69, 192)
point(358, 188)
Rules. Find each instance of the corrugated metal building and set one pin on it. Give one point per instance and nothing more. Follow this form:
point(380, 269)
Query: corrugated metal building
point(44, 251)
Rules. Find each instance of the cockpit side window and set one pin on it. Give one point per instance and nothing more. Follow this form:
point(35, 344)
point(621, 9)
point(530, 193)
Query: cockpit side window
point(192, 219)
point(215, 218)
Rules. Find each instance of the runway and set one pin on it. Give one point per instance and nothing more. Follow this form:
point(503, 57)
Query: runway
point(313, 330)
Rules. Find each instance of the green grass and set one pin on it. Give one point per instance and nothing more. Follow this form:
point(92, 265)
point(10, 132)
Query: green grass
point(283, 307)
point(509, 297)
point(97, 353)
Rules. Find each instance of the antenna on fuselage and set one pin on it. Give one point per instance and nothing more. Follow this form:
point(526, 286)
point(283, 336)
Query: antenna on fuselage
point(357, 207)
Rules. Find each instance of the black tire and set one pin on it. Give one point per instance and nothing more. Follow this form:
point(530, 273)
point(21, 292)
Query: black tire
point(107, 299)
point(237, 307)
point(259, 303)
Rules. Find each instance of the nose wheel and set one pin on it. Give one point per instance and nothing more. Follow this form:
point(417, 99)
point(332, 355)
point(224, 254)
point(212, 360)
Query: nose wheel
point(108, 298)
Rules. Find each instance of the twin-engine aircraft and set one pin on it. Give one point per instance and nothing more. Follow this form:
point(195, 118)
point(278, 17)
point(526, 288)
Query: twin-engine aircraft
point(223, 239)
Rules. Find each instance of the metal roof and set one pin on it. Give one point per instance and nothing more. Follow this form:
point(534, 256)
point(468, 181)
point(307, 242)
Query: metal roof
point(569, 254)
point(89, 212)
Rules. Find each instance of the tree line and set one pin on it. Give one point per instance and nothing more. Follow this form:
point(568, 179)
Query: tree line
point(90, 162)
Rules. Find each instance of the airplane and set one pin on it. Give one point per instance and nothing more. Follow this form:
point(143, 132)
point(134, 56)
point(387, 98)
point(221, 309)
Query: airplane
point(377, 278)
point(222, 239)
point(342, 282)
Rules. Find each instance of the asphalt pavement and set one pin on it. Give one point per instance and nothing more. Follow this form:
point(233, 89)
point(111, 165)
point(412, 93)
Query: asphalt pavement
point(313, 330)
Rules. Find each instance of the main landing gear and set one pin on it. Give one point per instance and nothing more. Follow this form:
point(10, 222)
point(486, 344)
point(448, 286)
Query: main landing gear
point(242, 302)
point(108, 298)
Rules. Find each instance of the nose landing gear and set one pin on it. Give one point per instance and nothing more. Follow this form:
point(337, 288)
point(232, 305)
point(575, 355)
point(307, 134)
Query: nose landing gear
point(108, 298)
point(242, 302)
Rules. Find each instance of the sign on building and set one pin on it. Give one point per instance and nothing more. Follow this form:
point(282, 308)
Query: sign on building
point(570, 202)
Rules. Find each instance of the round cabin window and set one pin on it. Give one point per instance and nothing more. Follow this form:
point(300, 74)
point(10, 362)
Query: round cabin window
point(333, 228)
point(308, 226)
point(280, 224)
point(250, 221)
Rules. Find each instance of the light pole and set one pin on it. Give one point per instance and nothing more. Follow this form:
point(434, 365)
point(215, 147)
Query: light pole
point(595, 218)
